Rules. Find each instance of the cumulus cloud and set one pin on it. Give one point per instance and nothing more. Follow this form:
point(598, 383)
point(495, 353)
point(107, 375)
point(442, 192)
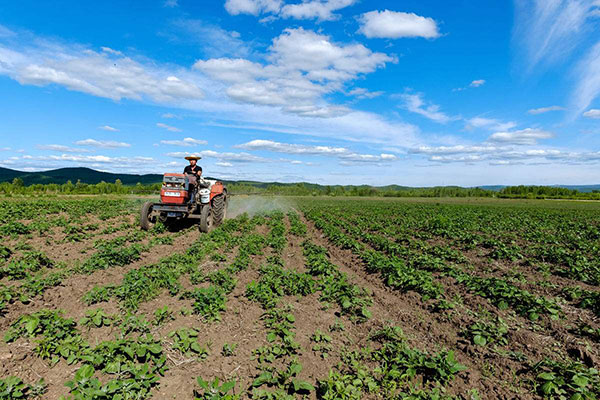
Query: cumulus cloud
point(186, 142)
point(593, 113)
point(415, 103)
point(477, 83)
point(168, 127)
point(543, 110)
point(304, 66)
point(105, 144)
point(527, 136)
point(108, 128)
point(394, 25)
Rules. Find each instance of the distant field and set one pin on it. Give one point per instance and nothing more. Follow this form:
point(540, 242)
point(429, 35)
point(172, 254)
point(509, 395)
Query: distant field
point(306, 297)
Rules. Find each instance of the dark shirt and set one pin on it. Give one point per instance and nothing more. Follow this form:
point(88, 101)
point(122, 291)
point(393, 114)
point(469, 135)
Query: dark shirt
point(192, 171)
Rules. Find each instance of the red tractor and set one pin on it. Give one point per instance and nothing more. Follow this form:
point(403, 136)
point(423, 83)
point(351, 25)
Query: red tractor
point(183, 196)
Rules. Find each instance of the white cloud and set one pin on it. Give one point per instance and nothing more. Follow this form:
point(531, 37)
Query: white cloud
point(588, 76)
point(543, 110)
point(593, 113)
point(304, 66)
point(253, 7)
point(458, 149)
point(367, 158)
point(394, 25)
point(549, 30)
point(61, 148)
point(105, 74)
point(108, 128)
point(225, 156)
point(108, 144)
point(342, 153)
point(170, 116)
point(504, 155)
point(224, 164)
point(130, 161)
point(321, 10)
point(363, 93)
point(171, 3)
point(415, 103)
point(168, 127)
point(552, 32)
point(527, 136)
point(318, 112)
point(186, 142)
point(477, 83)
point(489, 123)
point(213, 40)
point(288, 148)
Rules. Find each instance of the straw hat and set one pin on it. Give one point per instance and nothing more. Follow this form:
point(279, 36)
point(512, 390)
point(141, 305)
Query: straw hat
point(193, 158)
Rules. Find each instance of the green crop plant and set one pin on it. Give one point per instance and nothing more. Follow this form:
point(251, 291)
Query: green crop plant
point(13, 388)
point(567, 379)
point(482, 333)
point(215, 390)
point(96, 318)
point(208, 302)
point(185, 340)
point(98, 294)
point(162, 316)
point(322, 343)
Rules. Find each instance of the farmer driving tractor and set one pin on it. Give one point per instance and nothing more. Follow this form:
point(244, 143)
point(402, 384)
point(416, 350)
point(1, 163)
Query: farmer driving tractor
point(187, 196)
point(194, 171)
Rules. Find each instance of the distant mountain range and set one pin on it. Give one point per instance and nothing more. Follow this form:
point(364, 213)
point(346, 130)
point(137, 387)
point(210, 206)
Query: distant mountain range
point(91, 176)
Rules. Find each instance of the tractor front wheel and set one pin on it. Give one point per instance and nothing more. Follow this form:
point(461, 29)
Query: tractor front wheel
point(205, 219)
point(146, 222)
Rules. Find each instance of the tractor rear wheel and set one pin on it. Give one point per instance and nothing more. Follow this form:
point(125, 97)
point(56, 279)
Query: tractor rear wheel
point(146, 222)
point(205, 219)
point(219, 209)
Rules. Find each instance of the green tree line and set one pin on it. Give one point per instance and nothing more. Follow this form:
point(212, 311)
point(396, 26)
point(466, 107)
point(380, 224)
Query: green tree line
point(302, 189)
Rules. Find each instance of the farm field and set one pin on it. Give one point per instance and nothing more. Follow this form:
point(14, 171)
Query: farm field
point(328, 298)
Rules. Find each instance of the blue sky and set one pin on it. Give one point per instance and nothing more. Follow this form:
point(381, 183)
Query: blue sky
point(417, 93)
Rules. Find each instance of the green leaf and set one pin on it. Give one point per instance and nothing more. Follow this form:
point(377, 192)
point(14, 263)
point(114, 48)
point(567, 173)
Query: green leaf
point(547, 376)
point(263, 378)
point(227, 386)
point(300, 386)
point(479, 340)
point(84, 373)
point(580, 380)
